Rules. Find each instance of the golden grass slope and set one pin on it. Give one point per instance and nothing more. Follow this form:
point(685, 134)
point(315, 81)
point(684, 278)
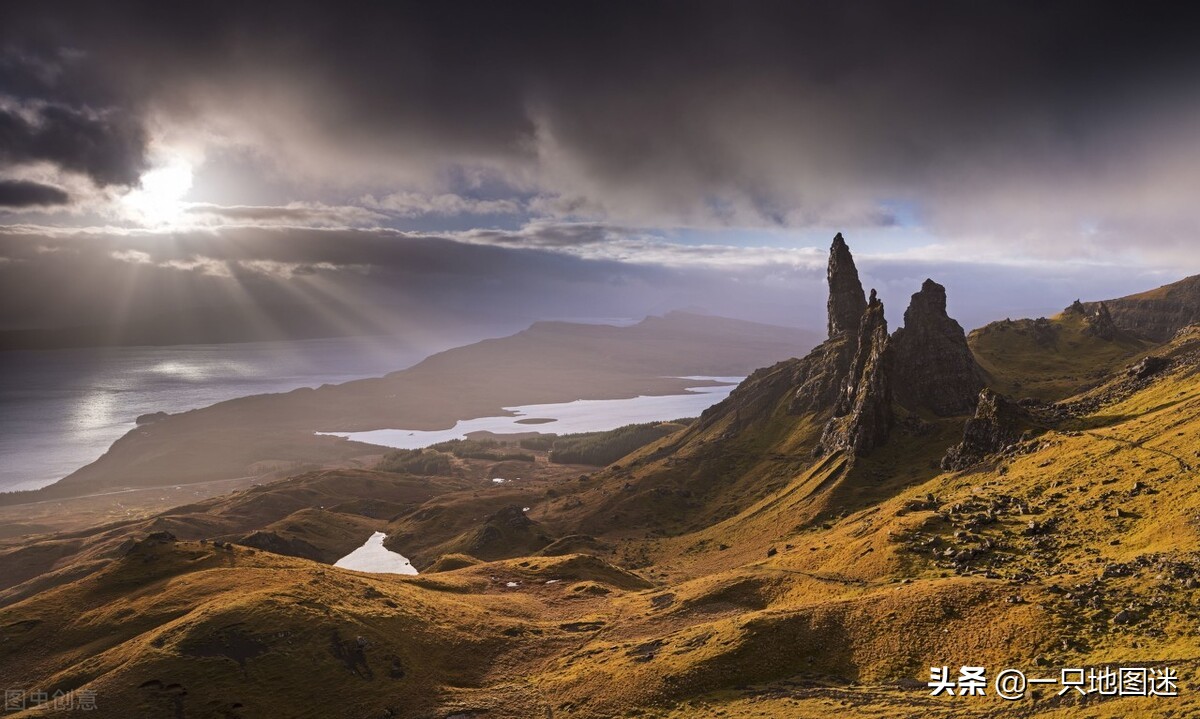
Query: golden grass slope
point(783, 586)
point(1049, 359)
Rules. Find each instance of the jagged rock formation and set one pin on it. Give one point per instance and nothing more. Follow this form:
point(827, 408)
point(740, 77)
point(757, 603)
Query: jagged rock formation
point(1098, 320)
point(851, 376)
point(862, 417)
point(846, 300)
point(934, 368)
point(997, 424)
point(1100, 324)
point(819, 376)
point(1158, 314)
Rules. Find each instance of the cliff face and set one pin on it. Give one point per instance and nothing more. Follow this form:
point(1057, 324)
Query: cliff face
point(818, 378)
point(934, 368)
point(862, 416)
point(1155, 315)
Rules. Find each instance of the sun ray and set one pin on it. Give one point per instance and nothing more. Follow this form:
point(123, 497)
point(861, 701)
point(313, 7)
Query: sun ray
point(158, 200)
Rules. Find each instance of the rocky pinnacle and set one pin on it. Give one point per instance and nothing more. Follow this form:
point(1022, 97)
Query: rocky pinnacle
point(846, 300)
point(862, 417)
point(934, 367)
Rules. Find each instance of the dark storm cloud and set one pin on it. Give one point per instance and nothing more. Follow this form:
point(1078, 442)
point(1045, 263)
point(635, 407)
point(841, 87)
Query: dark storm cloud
point(108, 147)
point(708, 113)
point(22, 193)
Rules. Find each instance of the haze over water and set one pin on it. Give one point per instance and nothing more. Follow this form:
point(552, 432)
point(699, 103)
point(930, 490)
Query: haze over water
point(61, 409)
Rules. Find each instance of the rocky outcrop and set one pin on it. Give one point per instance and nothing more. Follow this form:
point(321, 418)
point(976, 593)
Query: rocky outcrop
point(815, 380)
point(862, 415)
point(1100, 324)
point(997, 424)
point(933, 366)
point(851, 377)
point(846, 300)
point(819, 377)
point(1098, 321)
point(1148, 367)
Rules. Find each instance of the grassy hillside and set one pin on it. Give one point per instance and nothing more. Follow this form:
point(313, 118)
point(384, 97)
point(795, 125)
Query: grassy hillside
point(722, 571)
point(603, 448)
point(1049, 359)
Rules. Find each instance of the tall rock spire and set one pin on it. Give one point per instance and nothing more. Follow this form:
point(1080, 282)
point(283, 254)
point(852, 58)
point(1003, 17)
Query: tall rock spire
point(846, 300)
point(933, 366)
point(862, 416)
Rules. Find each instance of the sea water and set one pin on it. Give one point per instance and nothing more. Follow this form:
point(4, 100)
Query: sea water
point(61, 409)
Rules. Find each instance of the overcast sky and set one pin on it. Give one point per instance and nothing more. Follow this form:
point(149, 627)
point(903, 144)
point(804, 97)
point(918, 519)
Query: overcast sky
point(517, 161)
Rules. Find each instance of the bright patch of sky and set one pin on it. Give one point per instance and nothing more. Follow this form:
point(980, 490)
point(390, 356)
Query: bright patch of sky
point(886, 241)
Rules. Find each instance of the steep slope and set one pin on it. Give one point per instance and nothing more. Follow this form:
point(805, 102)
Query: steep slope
point(782, 420)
